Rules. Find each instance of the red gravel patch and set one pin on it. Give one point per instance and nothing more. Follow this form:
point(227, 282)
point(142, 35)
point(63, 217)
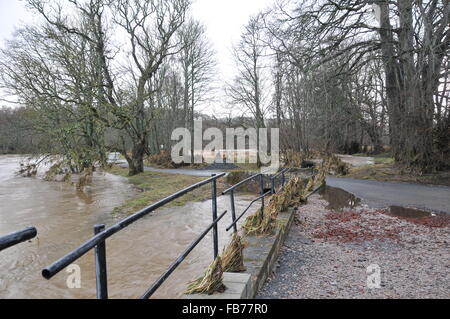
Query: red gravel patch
point(350, 233)
point(362, 225)
point(438, 221)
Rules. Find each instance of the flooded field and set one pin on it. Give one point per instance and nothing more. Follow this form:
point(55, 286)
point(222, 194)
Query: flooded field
point(64, 218)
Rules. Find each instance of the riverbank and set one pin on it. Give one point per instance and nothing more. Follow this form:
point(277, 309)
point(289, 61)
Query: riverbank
point(154, 186)
point(327, 255)
point(382, 168)
point(388, 172)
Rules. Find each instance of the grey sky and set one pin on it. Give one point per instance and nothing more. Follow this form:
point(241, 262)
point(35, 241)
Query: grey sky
point(224, 20)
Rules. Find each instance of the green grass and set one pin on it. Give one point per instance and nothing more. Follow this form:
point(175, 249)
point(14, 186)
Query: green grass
point(388, 171)
point(383, 160)
point(154, 186)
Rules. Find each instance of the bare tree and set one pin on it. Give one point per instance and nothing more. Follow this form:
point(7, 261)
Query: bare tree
point(198, 64)
point(249, 88)
point(410, 38)
point(51, 73)
point(124, 91)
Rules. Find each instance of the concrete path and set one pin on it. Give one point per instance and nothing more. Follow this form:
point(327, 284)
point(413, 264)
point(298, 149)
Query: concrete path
point(382, 194)
point(182, 171)
point(357, 161)
point(115, 158)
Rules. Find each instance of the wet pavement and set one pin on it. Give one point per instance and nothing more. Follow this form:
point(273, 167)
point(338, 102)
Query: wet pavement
point(182, 171)
point(378, 194)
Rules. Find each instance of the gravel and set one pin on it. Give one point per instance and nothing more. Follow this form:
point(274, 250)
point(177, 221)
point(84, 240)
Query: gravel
point(327, 255)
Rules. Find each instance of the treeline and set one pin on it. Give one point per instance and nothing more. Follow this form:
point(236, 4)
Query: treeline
point(16, 132)
point(338, 76)
point(343, 74)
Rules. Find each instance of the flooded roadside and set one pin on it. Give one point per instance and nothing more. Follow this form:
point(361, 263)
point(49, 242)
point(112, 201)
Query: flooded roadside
point(339, 199)
point(65, 218)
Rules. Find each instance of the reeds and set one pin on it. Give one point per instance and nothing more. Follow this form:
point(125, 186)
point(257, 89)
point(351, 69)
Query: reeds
point(211, 282)
point(233, 256)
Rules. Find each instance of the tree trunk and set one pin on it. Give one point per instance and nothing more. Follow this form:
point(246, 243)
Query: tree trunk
point(136, 161)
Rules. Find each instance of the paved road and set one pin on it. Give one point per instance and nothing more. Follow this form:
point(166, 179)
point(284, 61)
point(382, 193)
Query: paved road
point(182, 171)
point(357, 161)
point(382, 194)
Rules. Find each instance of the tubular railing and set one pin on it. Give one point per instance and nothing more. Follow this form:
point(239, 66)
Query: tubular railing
point(97, 242)
point(17, 237)
point(274, 178)
point(263, 193)
point(178, 261)
point(101, 234)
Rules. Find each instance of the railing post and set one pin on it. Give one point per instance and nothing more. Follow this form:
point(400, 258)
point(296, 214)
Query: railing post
point(261, 181)
point(272, 185)
point(233, 210)
point(100, 266)
point(214, 215)
point(283, 179)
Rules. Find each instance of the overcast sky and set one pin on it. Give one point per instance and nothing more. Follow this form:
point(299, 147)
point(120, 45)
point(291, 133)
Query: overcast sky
point(224, 20)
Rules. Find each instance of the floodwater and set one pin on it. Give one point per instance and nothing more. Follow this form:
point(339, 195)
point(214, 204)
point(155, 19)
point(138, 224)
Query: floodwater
point(64, 218)
point(339, 199)
point(406, 212)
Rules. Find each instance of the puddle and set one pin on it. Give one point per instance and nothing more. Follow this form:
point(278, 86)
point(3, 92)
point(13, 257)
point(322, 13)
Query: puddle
point(408, 212)
point(339, 199)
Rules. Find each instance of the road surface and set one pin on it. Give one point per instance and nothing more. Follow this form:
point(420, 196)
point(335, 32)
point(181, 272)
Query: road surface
point(383, 194)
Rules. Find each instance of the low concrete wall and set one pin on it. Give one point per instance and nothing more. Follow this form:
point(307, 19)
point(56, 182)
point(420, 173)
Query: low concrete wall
point(262, 252)
point(260, 256)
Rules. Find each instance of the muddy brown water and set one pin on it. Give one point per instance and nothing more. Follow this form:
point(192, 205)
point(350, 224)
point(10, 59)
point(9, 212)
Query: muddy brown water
point(406, 212)
point(64, 218)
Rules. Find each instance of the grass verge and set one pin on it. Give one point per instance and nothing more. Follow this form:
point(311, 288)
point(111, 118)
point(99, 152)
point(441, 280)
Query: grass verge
point(386, 170)
point(154, 186)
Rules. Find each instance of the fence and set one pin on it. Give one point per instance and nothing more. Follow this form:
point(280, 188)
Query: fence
point(97, 242)
point(18, 237)
point(101, 234)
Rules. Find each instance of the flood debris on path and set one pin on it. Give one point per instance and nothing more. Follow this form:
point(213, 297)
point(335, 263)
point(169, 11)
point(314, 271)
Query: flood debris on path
point(328, 253)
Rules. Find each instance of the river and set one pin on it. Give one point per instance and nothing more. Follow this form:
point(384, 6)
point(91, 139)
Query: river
point(64, 218)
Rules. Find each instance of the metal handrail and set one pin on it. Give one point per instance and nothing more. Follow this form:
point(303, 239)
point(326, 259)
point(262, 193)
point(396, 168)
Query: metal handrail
point(17, 237)
point(178, 261)
point(240, 183)
point(248, 207)
point(66, 260)
point(283, 179)
point(283, 171)
point(101, 234)
point(231, 192)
